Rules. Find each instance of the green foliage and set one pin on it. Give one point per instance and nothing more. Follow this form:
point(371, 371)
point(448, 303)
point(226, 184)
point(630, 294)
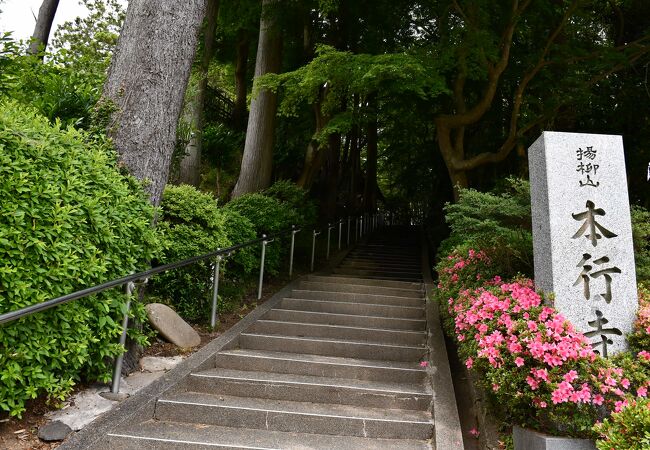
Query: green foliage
point(86, 44)
point(344, 74)
point(269, 216)
point(68, 220)
point(297, 198)
point(641, 235)
point(191, 225)
point(626, 430)
point(498, 222)
point(239, 230)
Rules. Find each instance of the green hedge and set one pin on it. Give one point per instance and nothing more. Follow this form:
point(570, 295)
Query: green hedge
point(68, 220)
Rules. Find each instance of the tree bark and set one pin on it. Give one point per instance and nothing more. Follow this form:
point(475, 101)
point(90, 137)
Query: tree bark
point(370, 191)
point(257, 161)
point(146, 84)
point(41, 34)
point(241, 66)
point(190, 166)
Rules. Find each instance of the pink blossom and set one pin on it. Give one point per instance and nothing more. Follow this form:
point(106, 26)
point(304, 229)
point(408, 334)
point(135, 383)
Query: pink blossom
point(474, 432)
point(642, 391)
point(598, 399)
point(469, 363)
point(519, 361)
point(644, 354)
point(424, 364)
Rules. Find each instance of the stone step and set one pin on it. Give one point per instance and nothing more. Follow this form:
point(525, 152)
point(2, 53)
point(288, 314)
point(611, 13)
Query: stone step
point(360, 272)
point(163, 435)
point(352, 280)
point(373, 335)
point(359, 289)
point(324, 366)
point(390, 323)
point(356, 257)
point(362, 309)
point(332, 347)
point(377, 265)
point(290, 416)
point(358, 298)
point(305, 388)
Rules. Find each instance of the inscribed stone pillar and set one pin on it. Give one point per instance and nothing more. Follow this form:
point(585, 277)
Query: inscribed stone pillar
point(582, 234)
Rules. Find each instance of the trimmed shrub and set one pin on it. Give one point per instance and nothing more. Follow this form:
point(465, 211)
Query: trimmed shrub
point(68, 220)
point(191, 225)
point(497, 222)
point(269, 216)
point(628, 429)
point(641, 234)
point(297, 198)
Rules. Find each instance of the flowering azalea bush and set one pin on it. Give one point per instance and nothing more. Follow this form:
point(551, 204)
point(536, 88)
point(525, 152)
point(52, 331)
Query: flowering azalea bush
point(539, 369)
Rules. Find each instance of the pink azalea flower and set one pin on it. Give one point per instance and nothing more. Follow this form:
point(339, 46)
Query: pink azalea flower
point(519, 361)
point(424, 364)
point(469, 363)
point(474, 432)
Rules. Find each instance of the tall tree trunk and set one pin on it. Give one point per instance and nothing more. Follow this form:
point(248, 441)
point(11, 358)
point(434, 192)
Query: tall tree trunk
point(370, 191)
point(332, 175)
point(355, 169)
point(41, 34)
point(146, 83)
point(257, 161)
point(190, 167)
point(241, 66)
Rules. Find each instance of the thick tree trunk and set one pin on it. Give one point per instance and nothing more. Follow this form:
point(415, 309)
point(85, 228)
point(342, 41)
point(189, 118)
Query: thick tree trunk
point(190, 166)
point(332, 175)
point(355, 169)
point(370, 191)
point(147, 81)
point(241, 66)
point(257, 161)
point(41, 34)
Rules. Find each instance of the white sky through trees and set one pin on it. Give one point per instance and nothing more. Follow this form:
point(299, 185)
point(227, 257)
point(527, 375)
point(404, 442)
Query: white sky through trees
point(19, 16)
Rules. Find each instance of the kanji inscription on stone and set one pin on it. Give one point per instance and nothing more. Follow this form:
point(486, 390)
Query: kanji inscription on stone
point(582, 234)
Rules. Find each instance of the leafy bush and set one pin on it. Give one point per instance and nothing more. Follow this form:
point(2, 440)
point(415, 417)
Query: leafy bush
point(540, 371)
point(269, 216)
point(297, 198)
point(239, 230)
point(191, 225)
point(68, 220)
point(498, 223)
point(628, 429)
point(639, 339)
point(641, 234)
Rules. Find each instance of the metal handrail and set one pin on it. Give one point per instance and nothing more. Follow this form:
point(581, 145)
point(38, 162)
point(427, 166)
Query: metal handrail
point(130, 281)
point(29, 310)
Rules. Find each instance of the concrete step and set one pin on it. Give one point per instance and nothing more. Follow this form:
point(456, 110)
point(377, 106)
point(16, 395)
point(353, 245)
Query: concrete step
point(164, 435)
point(362, 334)
point(290, 416)
point(359, 289)
point(324, 366)
point(378, 265)
point(305, 388)
point(332, 347)
point(352, 280)
point(382, 260)
point(360, 272)
point(358, 298)
point(362, 309)
point(390, 323)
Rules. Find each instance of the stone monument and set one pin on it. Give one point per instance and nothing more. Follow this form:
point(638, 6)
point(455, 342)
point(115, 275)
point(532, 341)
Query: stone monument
point(582, 234)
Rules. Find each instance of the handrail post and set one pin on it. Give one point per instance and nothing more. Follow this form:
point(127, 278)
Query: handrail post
point(329, 233)
point(259, 289)
point(117, 370)
point(293, 242)
point(313, 249)
point(215, 291)
point(349, 219)
point(360, 226)
point(340, 226)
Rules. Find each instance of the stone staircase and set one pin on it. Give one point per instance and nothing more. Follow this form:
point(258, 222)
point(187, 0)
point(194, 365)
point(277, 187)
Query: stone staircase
point(333, 365)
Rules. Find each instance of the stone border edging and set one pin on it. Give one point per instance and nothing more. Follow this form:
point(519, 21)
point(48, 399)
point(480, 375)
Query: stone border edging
point(140, 406)
point(447, 432)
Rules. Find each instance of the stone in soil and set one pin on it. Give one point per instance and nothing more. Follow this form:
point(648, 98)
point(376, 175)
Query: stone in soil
point(171, 326)
point(157, 364)
point(54, 431)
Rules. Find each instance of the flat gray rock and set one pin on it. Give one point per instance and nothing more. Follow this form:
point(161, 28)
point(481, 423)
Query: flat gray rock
point(53, 431)
point(171, 326)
